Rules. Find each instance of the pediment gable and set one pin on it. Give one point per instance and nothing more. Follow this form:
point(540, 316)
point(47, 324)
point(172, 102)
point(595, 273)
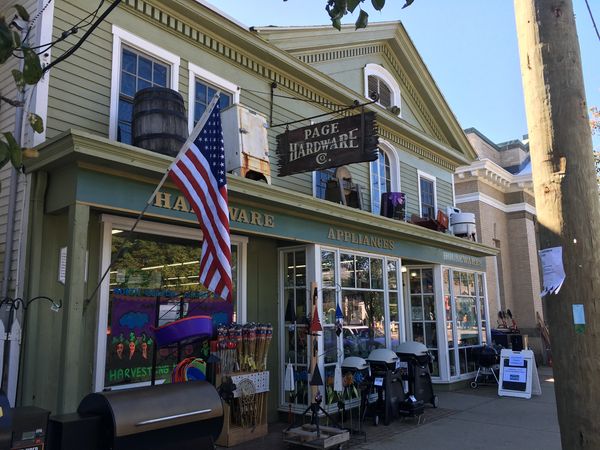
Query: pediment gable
point(387, 44)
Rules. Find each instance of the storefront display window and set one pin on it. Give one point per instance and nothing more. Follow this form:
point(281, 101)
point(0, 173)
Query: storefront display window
point(363, 288)
point(153, 282)
point(465, 321)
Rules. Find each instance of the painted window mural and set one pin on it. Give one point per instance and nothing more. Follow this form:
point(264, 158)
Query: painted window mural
point(154, 282)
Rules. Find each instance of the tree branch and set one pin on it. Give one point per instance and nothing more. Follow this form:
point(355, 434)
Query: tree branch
point(15, 103)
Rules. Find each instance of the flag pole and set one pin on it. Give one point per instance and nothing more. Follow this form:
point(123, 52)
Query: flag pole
point(191, 138)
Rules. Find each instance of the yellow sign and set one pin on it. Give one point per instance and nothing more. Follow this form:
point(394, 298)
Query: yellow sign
point(337, 234)
point(236, 214)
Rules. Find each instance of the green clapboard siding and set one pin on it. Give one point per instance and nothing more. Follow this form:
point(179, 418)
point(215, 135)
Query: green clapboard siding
point(263, 306)
point(444, 194)
point(408, 185)
point(79, 95)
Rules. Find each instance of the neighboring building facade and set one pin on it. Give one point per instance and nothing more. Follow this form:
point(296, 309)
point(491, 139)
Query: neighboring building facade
point(398, 280)
point(498, 189)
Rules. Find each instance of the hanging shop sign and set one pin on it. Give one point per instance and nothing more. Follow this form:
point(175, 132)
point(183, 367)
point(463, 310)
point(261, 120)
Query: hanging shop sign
point(328, 144)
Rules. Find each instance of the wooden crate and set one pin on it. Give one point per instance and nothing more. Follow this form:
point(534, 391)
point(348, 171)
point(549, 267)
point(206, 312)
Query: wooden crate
point(233, 434)
point(306, 436)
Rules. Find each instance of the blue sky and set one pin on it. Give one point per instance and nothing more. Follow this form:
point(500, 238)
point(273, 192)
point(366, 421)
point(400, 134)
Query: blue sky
point(469, 46)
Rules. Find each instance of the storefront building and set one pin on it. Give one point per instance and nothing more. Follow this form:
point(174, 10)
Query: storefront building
point(392, 280)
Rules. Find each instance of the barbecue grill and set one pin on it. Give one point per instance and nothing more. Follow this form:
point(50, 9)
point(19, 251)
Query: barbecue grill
point(180, 416)
point(488, 359)
point(386, 381)
point(416, 361)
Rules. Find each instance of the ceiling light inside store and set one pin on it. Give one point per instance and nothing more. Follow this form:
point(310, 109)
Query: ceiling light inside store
point(404, 269)
point(413, 274)
point(116, 231)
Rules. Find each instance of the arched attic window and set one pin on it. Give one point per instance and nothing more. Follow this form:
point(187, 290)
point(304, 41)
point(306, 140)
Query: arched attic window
point(378, 89)
point(378, 80)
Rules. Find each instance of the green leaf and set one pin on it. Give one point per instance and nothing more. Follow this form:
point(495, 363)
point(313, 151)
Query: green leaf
point(336, 24)
point(378, 4)
point(32, 68)
point(16, 39)
point(15, 151)
point(22, 12)
point(352, 4)
point(336, 13)
point(4, 153)
point(19, 81)
point(36, 122)
point(363, 20)
point(6, 41)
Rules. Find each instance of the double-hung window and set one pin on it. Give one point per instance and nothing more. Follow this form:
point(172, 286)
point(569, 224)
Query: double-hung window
point(381, 180)
point(203, 86)
point(138, 71)
point(137, 64)
point(427, 196)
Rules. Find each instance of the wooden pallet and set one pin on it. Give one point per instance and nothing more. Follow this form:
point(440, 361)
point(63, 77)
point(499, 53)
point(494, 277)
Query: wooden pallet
point(306, 436)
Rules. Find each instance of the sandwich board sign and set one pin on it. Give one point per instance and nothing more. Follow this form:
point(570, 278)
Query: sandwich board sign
point(518, 374)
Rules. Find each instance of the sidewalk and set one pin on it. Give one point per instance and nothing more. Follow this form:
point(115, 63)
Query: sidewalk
point(469, 418)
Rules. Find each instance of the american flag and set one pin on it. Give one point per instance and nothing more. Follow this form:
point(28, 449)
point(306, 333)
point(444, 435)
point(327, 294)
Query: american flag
point(199, 172)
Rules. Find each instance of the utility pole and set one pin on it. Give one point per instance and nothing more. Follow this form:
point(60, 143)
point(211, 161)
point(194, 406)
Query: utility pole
point(567, 205)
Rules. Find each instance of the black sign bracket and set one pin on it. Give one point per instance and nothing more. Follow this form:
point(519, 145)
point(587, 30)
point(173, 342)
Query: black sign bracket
point(355, 105)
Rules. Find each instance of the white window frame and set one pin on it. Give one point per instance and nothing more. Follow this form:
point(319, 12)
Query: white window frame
point(210, 78)
point(108, 223)
point(380, 72)
point(425, 175)
point(122, 37)
point(395, 181)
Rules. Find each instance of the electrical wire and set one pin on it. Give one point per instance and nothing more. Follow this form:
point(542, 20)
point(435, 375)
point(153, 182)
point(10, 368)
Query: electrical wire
point(90, 18)
point(83, 38)
point(592, 17)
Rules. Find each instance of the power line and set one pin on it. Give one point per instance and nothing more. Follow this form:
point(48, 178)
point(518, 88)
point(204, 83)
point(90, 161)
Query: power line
point(592, 17)
point(83, 38)
point(73, 30)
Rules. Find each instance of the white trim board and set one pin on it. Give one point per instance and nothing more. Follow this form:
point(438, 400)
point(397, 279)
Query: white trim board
point(484, 198)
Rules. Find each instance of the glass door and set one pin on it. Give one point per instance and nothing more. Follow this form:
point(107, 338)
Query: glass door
point(295, 331)
point(422, 311)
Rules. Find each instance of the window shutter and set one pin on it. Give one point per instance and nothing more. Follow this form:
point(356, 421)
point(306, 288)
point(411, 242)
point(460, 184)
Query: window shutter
point(385, 95)
point(373, 88)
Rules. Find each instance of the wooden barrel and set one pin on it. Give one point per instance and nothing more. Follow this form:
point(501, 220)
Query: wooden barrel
point(159, 120)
